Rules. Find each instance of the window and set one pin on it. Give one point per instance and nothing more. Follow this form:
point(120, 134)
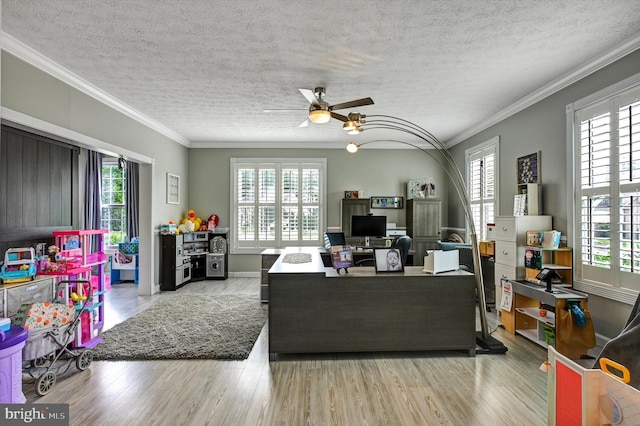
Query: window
point(113, 205)
point(482, 172)
point(606, 140)
point(277, 203)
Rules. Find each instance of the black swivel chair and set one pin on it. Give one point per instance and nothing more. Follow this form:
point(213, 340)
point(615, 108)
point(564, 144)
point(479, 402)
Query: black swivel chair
point(403, 244)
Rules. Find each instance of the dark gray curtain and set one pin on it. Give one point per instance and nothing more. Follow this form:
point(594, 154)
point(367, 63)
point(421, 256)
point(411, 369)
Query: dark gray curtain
point(132, 191)
point(93, 194)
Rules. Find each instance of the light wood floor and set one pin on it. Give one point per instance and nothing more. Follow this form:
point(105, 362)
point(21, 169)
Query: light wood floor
point(431, 388)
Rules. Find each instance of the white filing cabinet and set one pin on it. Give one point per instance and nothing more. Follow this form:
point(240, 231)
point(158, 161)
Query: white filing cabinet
point(511, 234)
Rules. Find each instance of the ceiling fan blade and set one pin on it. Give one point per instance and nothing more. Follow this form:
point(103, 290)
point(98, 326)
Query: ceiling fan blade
point(305, 123)
point(311, 97)
point(339, 117)
point(352, 104)
point(284, 109)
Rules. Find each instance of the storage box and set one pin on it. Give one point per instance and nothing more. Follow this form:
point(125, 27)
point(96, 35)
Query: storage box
point(551, 239)
point(437, 261)
point(5, 324)
point(168, 229)
point(487, 248)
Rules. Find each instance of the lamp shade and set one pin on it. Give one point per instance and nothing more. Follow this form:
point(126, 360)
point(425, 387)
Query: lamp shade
point(352, 147)
point(319, 116)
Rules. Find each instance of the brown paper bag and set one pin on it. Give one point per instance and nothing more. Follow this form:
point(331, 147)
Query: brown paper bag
point(571, 340)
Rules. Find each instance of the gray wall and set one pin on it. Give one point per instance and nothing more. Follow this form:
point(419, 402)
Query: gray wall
point(40, 96)
point(543, 127)
point(374, 171)
point(205, 172)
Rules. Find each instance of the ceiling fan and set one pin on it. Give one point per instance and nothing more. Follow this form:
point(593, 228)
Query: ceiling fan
point(319, 110)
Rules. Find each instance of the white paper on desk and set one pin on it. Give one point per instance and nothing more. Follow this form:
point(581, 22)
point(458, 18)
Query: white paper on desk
point(507, 297)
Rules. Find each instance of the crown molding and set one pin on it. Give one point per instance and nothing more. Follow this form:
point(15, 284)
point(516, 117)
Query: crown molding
point(29, 123)
point(300, 145)
point(20, 50)
point(549, 89)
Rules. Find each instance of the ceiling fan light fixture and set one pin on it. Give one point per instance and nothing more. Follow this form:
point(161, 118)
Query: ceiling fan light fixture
point(319, 116)
point(349, 126)
point(356, 130)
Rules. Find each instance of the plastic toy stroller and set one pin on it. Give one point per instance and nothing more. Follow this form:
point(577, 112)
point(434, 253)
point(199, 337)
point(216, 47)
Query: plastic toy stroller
point(52, 327)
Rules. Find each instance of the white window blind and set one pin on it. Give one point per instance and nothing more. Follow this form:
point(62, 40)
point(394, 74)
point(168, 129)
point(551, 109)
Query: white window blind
point(481, 178)
point(277, 203)
point(607, 141)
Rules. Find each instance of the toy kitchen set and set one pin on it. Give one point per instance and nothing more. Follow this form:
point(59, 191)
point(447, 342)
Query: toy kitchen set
point(194, 256)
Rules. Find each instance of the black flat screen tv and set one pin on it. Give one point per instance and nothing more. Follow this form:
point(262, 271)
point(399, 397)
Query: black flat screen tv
point(368, 226)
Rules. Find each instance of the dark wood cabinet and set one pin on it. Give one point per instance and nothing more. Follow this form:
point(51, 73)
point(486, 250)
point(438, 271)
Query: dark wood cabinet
point(353, 207)
point(173, 270)
point(424, 224)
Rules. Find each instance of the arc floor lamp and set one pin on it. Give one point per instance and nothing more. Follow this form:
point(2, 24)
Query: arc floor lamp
point(359, 123)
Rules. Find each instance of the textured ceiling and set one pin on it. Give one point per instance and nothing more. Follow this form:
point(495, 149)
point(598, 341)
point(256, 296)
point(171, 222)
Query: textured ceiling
point(207, 69)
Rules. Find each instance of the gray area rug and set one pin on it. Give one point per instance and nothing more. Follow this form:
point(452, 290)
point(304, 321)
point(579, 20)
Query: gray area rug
point(187, 326)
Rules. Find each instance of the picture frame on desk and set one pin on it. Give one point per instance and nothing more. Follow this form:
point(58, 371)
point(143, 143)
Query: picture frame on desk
point(341, 257)
point(388, 260)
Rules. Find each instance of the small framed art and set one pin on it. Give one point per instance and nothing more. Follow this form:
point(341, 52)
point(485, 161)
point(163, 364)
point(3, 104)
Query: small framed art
point(341, 257)
point(388, 260)
point(173, 189)
point(528, 168)
point(387, 202)
point(350, 194)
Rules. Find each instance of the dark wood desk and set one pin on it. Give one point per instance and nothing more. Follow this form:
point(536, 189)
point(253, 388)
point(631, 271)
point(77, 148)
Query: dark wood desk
point(313, 309)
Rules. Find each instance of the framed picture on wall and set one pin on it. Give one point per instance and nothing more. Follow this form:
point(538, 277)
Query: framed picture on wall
point(387, 202)
point(528, 168)
point(173, 189)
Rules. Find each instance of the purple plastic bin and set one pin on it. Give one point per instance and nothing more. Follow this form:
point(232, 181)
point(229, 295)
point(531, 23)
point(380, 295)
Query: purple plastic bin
point(11, 365)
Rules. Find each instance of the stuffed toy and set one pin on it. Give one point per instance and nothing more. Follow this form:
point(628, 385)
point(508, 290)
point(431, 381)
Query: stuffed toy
point(189, 224)
point(212, 222)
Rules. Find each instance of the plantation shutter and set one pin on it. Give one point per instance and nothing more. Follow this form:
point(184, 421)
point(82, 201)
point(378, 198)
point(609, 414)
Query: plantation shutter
point(277, 203)
point(608, 166)
point(482, 188)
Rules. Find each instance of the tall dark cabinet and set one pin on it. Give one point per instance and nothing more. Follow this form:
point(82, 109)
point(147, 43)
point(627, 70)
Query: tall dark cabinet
point(175, 269)
point(424, 225)
point(353, 207)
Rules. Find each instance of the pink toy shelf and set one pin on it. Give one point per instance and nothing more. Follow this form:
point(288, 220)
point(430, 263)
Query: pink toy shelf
point(75, 249)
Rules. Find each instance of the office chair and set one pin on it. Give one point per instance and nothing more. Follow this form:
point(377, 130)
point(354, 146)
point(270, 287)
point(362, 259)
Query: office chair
point(403, 243)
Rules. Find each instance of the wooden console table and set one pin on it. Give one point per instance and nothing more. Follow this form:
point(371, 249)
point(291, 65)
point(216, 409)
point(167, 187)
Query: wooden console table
point(313, 309)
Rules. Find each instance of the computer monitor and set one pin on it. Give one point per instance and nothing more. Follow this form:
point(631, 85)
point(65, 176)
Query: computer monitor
point(334, 239)
point(368, 226)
